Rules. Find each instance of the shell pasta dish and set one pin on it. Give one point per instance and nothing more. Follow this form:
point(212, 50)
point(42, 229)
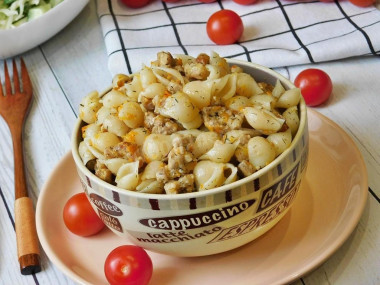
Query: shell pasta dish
point(185, 124)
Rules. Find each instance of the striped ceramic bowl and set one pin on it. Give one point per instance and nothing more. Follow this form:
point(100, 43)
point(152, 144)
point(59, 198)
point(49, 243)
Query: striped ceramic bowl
point(207, 222)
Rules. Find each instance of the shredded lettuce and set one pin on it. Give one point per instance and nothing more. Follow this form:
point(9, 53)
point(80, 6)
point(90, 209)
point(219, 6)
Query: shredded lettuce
point(16, 12)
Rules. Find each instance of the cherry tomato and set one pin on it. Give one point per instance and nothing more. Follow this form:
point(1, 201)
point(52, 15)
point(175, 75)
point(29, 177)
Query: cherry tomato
point(363, 3)
point(80, 218)
point(224, 27)
point(170, 1)
point(245, 2)
point(207, 1)
point(315, 85)
point(135, 3)
point(128, 265)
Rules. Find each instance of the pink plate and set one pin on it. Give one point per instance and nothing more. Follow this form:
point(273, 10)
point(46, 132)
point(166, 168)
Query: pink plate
point(326, 211)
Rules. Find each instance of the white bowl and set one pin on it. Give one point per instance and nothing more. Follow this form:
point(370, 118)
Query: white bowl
point(211, 221)
point(30, 34)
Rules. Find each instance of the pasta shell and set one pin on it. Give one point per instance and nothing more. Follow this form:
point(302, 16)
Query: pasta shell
point(90, 130)
point(156, 147)
point(204, 142)
point(224, 88)
point(152, 90)
point(98, 154)
point(167, 75)
point(131, 114)
point(230, 173)
point(234, 135)
point(136, 136)
point(103, 140)
point(220, 152)
point(103, 113)
point(151, 186)
point(185, 58)
point(220, 64)
point(281, 141)
point(278, 89)
point(114, 125)
point(199, 92)
point(151, 169)
point(246, 85)
point(119, 80)
point(85, 154)
point(113, 99)
point(114, 164)
point(128, 176)
point(147, 77)
point(266, 101)
point(263, 120)
point(179, 107)
point(237, 103)
point(289, 98)
point(208, 175)
point(89, 106)
point(292, 119)
point(133, 88)
point(261, 152)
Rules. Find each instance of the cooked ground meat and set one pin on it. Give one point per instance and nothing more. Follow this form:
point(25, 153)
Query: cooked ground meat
point(266, 87)
point(103, 172)
point(126, 150)
point(184, 140)
point(184, 184)
point(158, 124)
point(203, 58)
point(165, 59)
point(181, 161)
point(246, 168)
point(147, 104)
point(220, 119)
point(241, 153)
point(196, 70)
point(243, 140)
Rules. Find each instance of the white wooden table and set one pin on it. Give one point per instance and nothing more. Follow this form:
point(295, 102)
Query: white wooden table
point(74, 62)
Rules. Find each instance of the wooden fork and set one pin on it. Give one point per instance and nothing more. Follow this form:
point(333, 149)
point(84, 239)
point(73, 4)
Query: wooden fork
point(14, 107)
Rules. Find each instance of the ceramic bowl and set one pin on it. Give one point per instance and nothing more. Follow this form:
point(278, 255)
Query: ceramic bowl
point(29, 35)
point(206, 222)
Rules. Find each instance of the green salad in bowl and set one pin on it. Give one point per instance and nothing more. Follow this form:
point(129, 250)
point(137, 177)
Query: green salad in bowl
point(16, 12)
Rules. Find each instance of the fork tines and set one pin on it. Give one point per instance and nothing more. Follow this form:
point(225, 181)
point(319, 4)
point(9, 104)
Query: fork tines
point(26, 84)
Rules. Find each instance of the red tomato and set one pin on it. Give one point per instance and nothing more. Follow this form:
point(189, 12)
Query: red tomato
point(207, 1)
point(135, 3)
point(128, 265)
point(245, 2)
point(170, 1)
point(80, 218)
point(224, 27)
point(363, 3)
point(315, 85)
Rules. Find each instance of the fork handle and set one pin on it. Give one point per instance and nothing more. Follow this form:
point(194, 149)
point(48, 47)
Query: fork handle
point(27, 242)
point(28, 250)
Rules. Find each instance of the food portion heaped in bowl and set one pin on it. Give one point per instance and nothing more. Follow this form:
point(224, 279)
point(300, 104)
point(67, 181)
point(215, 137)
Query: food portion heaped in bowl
point(226, 141)
point(186, 124)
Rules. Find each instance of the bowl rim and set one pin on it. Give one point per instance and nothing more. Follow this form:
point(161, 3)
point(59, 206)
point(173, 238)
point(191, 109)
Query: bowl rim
point(300, 132)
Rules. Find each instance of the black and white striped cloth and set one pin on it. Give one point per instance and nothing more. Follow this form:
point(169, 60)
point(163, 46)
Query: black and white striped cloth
point(276, 32)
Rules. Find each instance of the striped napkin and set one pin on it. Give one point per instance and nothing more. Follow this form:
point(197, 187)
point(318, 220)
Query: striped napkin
point(277, 33)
